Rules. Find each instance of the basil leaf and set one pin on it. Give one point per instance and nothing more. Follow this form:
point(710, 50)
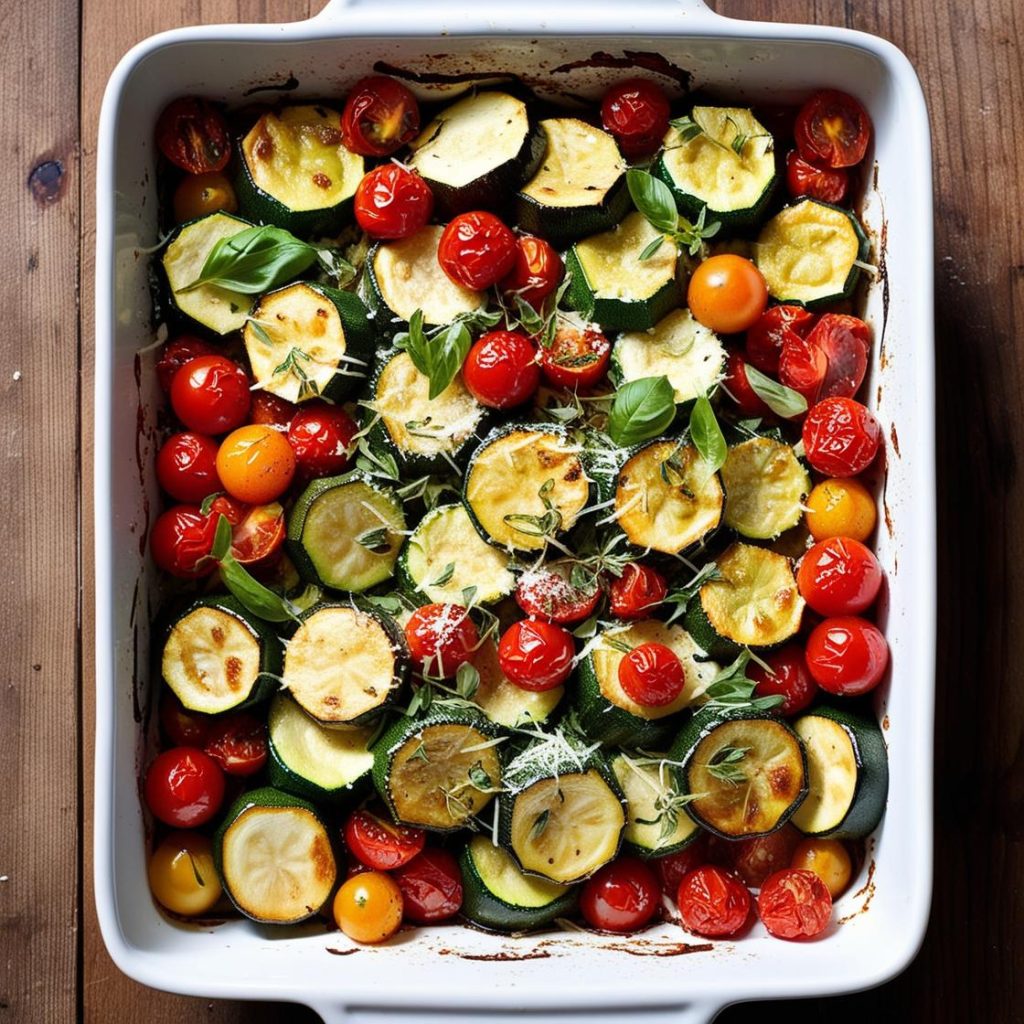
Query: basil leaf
point(415, 343)
point(706, 434)
point(258, 599)
point(642, 409)
point(221, 539)
point(255, 260)
point(782, 401)
point(653, 198)
point(448, 351)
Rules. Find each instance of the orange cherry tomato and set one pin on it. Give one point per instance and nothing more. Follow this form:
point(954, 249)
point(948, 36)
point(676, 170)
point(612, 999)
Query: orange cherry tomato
point(727, 293)
point(368, 907)
point(841, 508)
point(182, 876)
point(202, 194)
point(256, 464)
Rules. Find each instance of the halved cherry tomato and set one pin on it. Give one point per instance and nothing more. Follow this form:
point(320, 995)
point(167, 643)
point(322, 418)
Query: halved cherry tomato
point(476, 250)
point(260, 535)
point(840, 508)
point(828, 859)
point(652, 675)
point(321, 436)
point(713, 902)
point(381, 115)
point(755, 859)
point(767, 335)
point(847, 656)
point(181, 541)
point(441, 637)
point(575, 359)
point(175, 354)
point(238, 743)
point(637, 592)
point(368, 907)
point(182, 875)
point(794, 904)
point(199, 195)
point(210, 395)
point(803, 366)
point(393, 202)
point(271, 411)
point(841, 437)
point(622, 896)
point(737, 387)
point(727, 293)
point(536, 656)
point(560, 592)
point(184, 728)
point(380, 844)
point(839, 576)
point(846, 341)
point(256, 463)
point(501, 369)
point(804, 178)
point(233, 511)
point(186, 466)
point(788, 677)
point(674, 867)
point(635, 111)
point(536, 272)
point(431, 886)
point(184, 787)
point(832, 129)
point(193, 135)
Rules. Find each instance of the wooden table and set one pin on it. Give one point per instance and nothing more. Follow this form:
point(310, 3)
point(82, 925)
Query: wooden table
point(54, 62)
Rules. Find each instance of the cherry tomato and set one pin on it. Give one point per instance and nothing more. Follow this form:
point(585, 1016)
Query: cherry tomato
point(379, 844)
point(771, 330)
point(803, 366)
point(238, 743)
point(175, 354)
point(727, 293)
point(839, 576)
point(635, 111)
point(828, 859)
point(637, 592)
point(841, 437)
point(193, 135)
point(181, 541)
point(477, 250)
point(806, 179)
point(621, 897)
point(259, 535)
point(652, 675)
point(674, 867)
point(536, 272)
point(182, 876)
point(232, 510)
point(441, 637)
point(199, 195)
point(755, 859)
point(184, 728)
point(501, 369)
point(832, 129)
point(393, 202)
point(840, 508)
point(368, 907)
point(549, 592)
point(186, 466)
point(794, 904)
point(846, 341)
point(256, 463)
point(536, 656)
point(737, 386)
point(184, 787)
point(431, 885)
point(789, 678)
point(381, 115)
point(847, 656)
point(713, 902)
point(575, 359)
point(271, 411)
point(321, 435)
point(210, 395)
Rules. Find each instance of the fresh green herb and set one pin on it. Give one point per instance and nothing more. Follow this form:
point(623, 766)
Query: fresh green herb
point(682, 596)
point(669, 802)
point(642, 409)
point(731, 689)
point(208, 501)
point(260, 331)
point(445, 577)
point(654, 199)
point(440, 356)
point(539, 824)
point(386, 602)
point(782, 401)
point(255, 260)
point(382, 464)
point(546, 525)
point(687, 128)
point(725, 765)
point(308, 387)
point(467, 680)
point(422, 698)
point(469, 596)
point(200, 881)
point(479, 778)
point(420, 754)
point(706, 434)
point(256, 598)
point(375, 540)
point(617, 645)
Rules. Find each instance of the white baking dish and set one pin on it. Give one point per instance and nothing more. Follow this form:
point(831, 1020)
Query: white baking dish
point(429, 969)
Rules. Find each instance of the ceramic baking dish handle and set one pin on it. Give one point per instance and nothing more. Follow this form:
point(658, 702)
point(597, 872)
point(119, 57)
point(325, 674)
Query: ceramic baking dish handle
point(693, 10)
point(690, 1013)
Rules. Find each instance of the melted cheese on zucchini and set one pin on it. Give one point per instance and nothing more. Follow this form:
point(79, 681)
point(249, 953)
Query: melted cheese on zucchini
point(765, 487)
point(612, 265)
point(580, 166)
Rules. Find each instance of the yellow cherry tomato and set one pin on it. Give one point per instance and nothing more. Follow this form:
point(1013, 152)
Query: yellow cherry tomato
point(255, 463)
point(727, 293)
point(368, 907)
point(840, 508)
point(828, 859)
point(200, 194)
point(182, 876)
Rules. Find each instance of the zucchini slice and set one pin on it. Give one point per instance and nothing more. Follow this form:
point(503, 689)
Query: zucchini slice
point(344, 665)
point(728, 168)
point(747, 773)
point(849, 774)
point(498, 895)
point(765, 488)
point(755, 603)
point(295, 172)
point(477, 152)
point(274, 857)
point(690, 355)
point(580, 186)
point(525, 484)
point(307, 340)
point(653, 827)
point(219, 309)
point(809, 253)
point(217, 657)
point(438, 771)
point(501, 700)
point(445, 555)
point(346, 531)
point(612, 286)
point(312, 761)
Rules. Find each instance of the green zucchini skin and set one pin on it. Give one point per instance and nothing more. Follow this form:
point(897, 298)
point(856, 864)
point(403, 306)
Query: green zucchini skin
point(698, 625)
point(563, 225)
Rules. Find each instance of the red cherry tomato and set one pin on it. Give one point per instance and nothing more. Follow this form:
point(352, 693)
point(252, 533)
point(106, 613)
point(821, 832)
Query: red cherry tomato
point(621, 897)
point(238, 743)
point(674, 867)
point(441, 637)
point(846, 341)
point(536, 272)
point(259, 535)
point(184, 787)
point(794, 904)
point(181, 541)
point(233, 510)
point(755, 859)
point(806, 179)
point(476, 250)
point(713, 902)
point(727, 293)
point(789, 678)
point(393, 202)
point(270, 411)
point(772, 329)
point(321, 435)
point(193, 135)
point(738, 388)
point(381, 115)
point(637, 592)
point(832, 129)
point(575, 359)
point(549, 592)
point(186, 467)
point(652, 675)
point(536, 656)
point(841, 437)
point(380, 844)
point(210, 395)
point(431, 885)
point(636, 112)
point(175, 354)
point(184, 728)
point(839, 576)
point(847, 656)
point(501, 369)
point(803, 367)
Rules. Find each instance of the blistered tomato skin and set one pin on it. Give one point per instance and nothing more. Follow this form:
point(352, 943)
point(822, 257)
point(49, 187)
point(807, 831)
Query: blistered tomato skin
point(847, 656)
point(845, 341)
point(841, 437)
point(841, 508)
point(789, 679)
point(575, 359)
point(806, 179)
point(184, 787)
point(674, 867)
point(476, 250)
point(839, 576)
point(181, 541)
point(392, 202)
point(322, 437)
point(193, 135)
point(713, 902)
point(737, 387)
point(186, 466)
point(501, 370)
point(652, 675)
point(210, 395)
point(794, 904)
point(238, 743)
point(803, 366)
point(271, 411)
point(536, 656)
point(637, 592)
point(379, 844)
point(175, 354)
point(770, 332)
point(380, 116)
point(621, 897)
point(182, 875)
point(754, 860)
point(635, 111)
point(256, 464)
point(431, 886)
point(441, 637)
point(536, 272)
